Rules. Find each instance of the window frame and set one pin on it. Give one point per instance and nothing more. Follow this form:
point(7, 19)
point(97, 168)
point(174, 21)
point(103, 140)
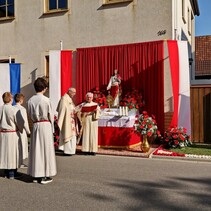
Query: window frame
point(107, 2)
point(6, 61)
point(57, 10)
point(7, 17)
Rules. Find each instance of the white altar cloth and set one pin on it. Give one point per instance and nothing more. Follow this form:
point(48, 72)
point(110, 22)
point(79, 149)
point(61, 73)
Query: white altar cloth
point(112, 119)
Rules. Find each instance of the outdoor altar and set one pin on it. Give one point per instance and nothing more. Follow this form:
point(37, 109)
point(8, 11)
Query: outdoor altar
point(116, 130)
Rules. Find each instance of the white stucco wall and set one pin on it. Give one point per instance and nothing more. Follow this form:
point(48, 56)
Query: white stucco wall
point(87, 23)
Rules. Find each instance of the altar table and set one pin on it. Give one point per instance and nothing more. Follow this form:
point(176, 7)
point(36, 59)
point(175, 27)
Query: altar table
point(117, 132)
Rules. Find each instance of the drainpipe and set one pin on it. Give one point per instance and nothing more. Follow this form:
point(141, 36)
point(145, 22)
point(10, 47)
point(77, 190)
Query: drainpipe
point(175, 9)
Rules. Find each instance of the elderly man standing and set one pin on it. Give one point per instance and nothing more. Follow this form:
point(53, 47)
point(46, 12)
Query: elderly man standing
point(67, 123)
point(89, 115)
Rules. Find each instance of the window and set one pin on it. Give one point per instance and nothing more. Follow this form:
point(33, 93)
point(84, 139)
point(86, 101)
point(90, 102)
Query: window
point(115, 1)
point(56, 5)
point(7, 9)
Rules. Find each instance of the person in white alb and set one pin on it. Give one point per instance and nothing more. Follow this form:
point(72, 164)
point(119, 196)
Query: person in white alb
point(67, 123)
point(9, 147)
point(22, 116)
point(42, 159)
point(89, 114)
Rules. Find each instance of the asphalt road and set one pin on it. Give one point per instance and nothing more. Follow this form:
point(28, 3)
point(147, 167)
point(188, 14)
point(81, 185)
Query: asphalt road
point(113, 183)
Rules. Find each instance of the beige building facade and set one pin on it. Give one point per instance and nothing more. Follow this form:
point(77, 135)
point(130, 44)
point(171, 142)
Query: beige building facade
point(33, 27)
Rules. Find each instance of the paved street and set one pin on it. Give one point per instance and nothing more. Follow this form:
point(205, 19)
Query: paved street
point(113, 183)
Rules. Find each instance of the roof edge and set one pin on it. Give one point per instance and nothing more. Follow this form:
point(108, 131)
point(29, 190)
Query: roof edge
point(195, 7)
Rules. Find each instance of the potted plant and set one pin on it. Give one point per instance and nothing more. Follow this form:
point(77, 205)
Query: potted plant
point(146, 126)
point(175, 137)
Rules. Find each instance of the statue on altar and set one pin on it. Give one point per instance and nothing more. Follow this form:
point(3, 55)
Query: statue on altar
point(114, 87)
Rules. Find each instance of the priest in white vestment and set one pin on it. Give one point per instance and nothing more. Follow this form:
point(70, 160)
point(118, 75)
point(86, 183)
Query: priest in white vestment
point(89, 115)
point(21, 115)
point(9, 146)
point(67, 123)
point(42, 159)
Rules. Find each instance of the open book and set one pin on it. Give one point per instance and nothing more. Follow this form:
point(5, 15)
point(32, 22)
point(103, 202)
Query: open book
point(88, 108)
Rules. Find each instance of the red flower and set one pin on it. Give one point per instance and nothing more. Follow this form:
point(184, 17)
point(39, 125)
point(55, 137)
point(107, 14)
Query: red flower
point(56, 144)
point(144, 112)
point(149, 133)
point(167, 139)
point(176, 142)
point(175, 136)
point(182, 137)
point(141, 126)
point(130, 107)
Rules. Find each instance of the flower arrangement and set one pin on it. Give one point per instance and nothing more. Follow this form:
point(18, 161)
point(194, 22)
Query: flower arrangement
point(99, 98)
point(146, 125)
point(176, 137)
point(133, 100)
point(56, 133)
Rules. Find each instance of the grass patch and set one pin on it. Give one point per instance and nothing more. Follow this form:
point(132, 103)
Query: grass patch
point(195, 149)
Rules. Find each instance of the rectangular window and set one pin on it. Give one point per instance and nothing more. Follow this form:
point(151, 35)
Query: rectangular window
point(115, 1)
point(54, 5)
point(7, 9)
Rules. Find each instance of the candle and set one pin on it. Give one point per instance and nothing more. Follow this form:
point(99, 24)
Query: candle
point(120, 110)
point(123, 111)
point(126, 111)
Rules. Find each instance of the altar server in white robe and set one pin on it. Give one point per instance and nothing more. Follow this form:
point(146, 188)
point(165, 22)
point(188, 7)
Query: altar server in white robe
point(89, 115)
point(42, 160)
point(67, 123)
point(22, 116)
point(9, 146)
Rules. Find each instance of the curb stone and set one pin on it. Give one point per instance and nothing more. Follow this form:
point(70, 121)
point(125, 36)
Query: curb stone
point(181, 158)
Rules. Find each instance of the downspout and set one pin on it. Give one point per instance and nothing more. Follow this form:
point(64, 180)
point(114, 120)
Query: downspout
point(175, 19)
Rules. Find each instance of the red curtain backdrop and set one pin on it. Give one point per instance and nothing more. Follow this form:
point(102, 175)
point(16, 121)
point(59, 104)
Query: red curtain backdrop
point(140, 66)
point(174, 65)
point(66, 71)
